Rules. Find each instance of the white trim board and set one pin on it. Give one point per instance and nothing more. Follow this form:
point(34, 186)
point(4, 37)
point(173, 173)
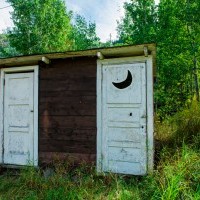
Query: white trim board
point(4, 71)
point(149, 106)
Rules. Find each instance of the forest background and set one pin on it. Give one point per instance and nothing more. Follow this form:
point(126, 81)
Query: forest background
point(43, 26)
point(174, 25)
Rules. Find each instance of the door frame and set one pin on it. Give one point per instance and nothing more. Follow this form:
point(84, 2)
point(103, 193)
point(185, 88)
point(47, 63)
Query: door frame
point(35, 70)
point(149, 104)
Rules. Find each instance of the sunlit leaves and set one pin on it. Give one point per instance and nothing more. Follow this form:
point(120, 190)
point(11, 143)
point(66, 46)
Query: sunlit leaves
point(40, 26)
point(84, 34)
point(175, 26)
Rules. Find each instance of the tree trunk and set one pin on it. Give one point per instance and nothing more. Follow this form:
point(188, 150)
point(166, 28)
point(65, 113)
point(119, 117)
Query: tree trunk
point(196, 81)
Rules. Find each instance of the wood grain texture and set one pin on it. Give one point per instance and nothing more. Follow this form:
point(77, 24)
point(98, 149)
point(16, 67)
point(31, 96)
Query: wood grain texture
point(18, 131)
point(121, 117)
point(75, 108)
point(63, 133)
point(67, 146)
point(49, 157)
point(34, 139)
point(111, 52)
point(67, 110)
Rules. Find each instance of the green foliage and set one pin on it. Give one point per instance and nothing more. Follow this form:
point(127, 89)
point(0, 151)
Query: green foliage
point(188, 125)
point(40, 26)
point(46, 26)
point(177, 71)
point(184, 126)
point(179, 175)
point(5, 48)
point(84, 34)
point(176, 175)
point(139, 24)
point(175, 27)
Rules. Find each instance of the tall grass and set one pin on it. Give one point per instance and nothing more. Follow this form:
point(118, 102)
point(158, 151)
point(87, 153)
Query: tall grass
point(176, 174)
point(188, 125)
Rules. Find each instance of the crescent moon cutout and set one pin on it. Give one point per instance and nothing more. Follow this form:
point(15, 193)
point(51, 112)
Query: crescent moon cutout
point(124, 84)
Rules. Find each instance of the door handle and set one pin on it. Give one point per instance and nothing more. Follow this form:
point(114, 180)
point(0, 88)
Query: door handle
point(32, 111)
point(144, 116)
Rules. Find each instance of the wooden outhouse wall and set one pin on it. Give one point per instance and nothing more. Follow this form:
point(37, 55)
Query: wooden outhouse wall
point(67, 110)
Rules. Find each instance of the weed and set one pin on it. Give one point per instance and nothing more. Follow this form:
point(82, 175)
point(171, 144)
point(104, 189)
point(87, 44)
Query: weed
point(176, 176)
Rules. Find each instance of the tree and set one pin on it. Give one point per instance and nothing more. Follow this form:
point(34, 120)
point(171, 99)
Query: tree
point(192, 22)
point(177, 73)
point(174, 26)
point(40, 26)
point(84, 34)
point(5, 49)
point(139, 24)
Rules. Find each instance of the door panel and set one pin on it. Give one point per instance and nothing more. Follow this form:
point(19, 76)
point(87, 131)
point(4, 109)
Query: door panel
point(118, 73)
point(124, 119)
point(124, 167)
point(123, 135)
point(120, 114)
point(124, 154)
point(18, 119)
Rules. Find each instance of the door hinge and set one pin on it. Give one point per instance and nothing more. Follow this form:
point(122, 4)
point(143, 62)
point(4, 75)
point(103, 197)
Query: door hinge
point(4, 81)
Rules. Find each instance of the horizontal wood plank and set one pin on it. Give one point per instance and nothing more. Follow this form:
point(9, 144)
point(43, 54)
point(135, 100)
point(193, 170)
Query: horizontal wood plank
point(67, 121)
point(67, 109)
point(64, 109)
point(68, 146)
point(49, 157)
point(68, 84)
point(63, 133)
point(63, 72)
point(69, 99)
point(67, 93)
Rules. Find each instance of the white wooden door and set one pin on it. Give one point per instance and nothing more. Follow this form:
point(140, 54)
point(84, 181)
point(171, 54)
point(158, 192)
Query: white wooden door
point(18, 119)
point(124, 137)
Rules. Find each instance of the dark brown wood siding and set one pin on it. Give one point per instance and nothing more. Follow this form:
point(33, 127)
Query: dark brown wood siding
point(67, 110)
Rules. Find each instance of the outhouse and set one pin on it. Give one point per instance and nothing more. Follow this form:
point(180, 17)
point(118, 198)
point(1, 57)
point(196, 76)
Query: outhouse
point(92, 106)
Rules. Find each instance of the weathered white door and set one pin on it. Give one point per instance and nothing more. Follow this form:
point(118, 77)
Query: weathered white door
point(18, 119)
point(124, 137)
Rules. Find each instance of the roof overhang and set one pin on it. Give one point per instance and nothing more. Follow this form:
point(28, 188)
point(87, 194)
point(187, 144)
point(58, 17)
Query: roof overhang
point(111, 52)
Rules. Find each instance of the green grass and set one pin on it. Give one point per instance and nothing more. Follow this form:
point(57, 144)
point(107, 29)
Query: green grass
point(176, 174)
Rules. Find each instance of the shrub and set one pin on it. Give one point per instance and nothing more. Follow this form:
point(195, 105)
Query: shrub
point(188, 125)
